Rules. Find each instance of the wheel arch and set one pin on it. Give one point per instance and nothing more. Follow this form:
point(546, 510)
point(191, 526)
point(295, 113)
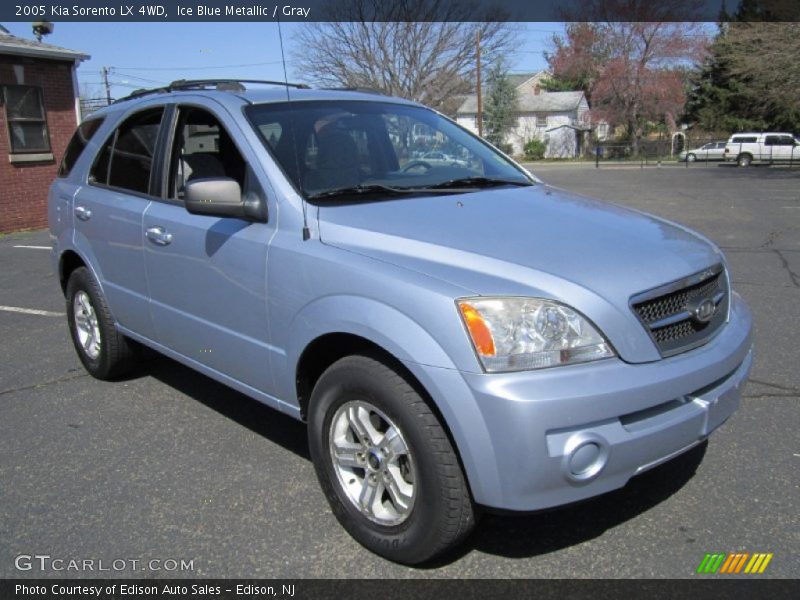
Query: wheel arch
point(67, 263)
point(325, 350)
point(400, 345)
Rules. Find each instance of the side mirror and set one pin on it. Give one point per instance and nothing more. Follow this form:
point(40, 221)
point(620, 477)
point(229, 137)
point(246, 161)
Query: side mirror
point(222, 197)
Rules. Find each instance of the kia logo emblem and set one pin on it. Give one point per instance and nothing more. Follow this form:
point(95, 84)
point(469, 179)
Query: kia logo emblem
point(704, 311)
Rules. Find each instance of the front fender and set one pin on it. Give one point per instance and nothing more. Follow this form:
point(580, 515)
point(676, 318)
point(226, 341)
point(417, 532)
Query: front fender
point(380, 323)
point(406, 340)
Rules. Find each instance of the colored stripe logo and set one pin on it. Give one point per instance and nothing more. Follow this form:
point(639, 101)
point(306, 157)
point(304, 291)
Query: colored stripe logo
point(734, 563)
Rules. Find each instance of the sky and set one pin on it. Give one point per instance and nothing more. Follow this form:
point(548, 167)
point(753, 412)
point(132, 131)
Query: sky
point(149, 54)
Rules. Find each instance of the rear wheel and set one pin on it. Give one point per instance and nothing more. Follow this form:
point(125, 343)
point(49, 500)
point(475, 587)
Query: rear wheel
point(385, 463)
point(104, 352)
point(744, 160)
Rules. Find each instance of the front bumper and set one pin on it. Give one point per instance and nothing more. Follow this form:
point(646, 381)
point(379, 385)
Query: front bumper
point(539, 439)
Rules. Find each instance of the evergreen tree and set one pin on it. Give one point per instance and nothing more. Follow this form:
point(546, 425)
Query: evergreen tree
point(500, 110)
point(750, 78)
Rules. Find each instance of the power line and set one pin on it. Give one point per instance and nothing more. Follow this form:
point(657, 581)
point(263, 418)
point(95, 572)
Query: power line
point(195, 68)
point(145, 79)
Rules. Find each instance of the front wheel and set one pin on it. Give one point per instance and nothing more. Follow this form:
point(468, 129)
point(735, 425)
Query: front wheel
point(385, 463)
point(691, 158)
point(104, 352)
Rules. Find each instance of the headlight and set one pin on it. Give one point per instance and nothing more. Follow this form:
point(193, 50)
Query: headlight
point(517, 334)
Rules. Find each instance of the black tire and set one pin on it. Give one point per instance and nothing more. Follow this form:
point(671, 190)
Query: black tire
point(744, 160)
point(116, 355)
point(442, 513)
point(691, 158)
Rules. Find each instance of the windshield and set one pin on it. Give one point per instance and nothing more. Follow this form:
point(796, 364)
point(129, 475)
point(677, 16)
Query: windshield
point(354, 146)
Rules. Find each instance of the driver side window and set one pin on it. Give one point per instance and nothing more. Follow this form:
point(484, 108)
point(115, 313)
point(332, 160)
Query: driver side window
point(203, 149)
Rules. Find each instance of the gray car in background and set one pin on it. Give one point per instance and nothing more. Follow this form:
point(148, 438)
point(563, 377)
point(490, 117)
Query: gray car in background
point(706, 152)
point(457, 336)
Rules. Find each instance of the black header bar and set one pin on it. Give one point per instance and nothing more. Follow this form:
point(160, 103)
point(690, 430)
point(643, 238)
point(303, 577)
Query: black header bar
point(398, 10)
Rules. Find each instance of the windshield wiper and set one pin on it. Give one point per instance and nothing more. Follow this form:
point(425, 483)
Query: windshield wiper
point(449, 186)
point(356, 190)
point(468, 182)
point(378, 188)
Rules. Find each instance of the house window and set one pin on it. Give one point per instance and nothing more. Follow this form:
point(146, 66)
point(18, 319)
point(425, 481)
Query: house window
point(27, 125)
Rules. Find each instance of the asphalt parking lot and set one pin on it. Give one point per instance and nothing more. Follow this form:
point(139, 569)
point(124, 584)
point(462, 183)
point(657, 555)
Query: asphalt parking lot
point(168, 464)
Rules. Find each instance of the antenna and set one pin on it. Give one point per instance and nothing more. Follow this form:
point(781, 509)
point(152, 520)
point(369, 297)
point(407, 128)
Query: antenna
point(306, 230)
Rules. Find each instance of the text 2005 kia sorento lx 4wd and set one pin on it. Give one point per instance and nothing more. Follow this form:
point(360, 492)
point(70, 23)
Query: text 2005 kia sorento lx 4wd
point(456, 335)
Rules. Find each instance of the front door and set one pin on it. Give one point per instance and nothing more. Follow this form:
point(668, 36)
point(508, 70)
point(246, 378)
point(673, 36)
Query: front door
point(207, 275)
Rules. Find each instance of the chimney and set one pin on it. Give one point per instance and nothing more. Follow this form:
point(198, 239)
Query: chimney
point(537, 90)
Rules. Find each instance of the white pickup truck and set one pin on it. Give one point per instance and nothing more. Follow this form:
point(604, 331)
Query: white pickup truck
point(746, 148)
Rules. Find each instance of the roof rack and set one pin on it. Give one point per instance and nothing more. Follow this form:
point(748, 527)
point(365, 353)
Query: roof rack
point(366, 90)
point(228, 85)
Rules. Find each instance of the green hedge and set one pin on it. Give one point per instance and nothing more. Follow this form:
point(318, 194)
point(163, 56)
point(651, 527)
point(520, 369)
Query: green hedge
point(534, 149)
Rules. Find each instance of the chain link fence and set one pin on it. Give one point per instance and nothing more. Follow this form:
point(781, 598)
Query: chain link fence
point(697, 151)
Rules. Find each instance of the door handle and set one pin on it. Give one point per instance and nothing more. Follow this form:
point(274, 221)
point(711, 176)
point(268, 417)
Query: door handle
point(158, 236)
point(83, 213)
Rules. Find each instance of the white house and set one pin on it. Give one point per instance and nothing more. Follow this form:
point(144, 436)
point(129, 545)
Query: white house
point(559, 119)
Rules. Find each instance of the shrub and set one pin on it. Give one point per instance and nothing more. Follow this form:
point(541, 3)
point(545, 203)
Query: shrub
point(506, 149)
point(534, 149)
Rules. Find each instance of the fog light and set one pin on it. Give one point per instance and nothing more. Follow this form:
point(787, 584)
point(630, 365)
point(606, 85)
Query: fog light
point(585, 455)
point(584, 458)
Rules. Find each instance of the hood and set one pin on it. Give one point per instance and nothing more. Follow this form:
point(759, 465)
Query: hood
point(523, 241)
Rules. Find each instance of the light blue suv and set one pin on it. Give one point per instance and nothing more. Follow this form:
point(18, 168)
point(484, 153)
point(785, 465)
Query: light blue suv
point(455, 335)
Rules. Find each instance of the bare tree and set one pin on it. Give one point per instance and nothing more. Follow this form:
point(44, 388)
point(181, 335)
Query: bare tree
point(92, 97)
point(423, 50)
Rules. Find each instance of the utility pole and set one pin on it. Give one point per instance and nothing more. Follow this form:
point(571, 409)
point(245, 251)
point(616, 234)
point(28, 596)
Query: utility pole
point(105, 71)
point(480, 92)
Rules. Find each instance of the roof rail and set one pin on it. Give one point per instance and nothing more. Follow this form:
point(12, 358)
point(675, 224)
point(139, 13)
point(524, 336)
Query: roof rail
point(236, 84)
point(141, 92)
point(365, 90)
point(228, 85)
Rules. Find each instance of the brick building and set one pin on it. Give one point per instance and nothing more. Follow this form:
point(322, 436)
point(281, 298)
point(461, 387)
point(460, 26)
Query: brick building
point(39, 110)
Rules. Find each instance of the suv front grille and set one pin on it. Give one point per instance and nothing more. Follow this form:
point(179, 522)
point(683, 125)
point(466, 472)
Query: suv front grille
point(671, 316)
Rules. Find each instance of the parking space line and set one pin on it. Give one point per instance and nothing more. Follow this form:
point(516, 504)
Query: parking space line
point(31, 311)
point(34, 247)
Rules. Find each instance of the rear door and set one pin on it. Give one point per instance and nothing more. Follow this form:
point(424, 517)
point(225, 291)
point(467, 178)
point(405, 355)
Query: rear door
point(207, 275)
point(108, 216)
point(771, 148)
point(68, 183)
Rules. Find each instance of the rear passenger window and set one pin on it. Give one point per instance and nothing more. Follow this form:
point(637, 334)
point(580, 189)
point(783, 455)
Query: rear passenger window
point(126, 160)
point(80, 138)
